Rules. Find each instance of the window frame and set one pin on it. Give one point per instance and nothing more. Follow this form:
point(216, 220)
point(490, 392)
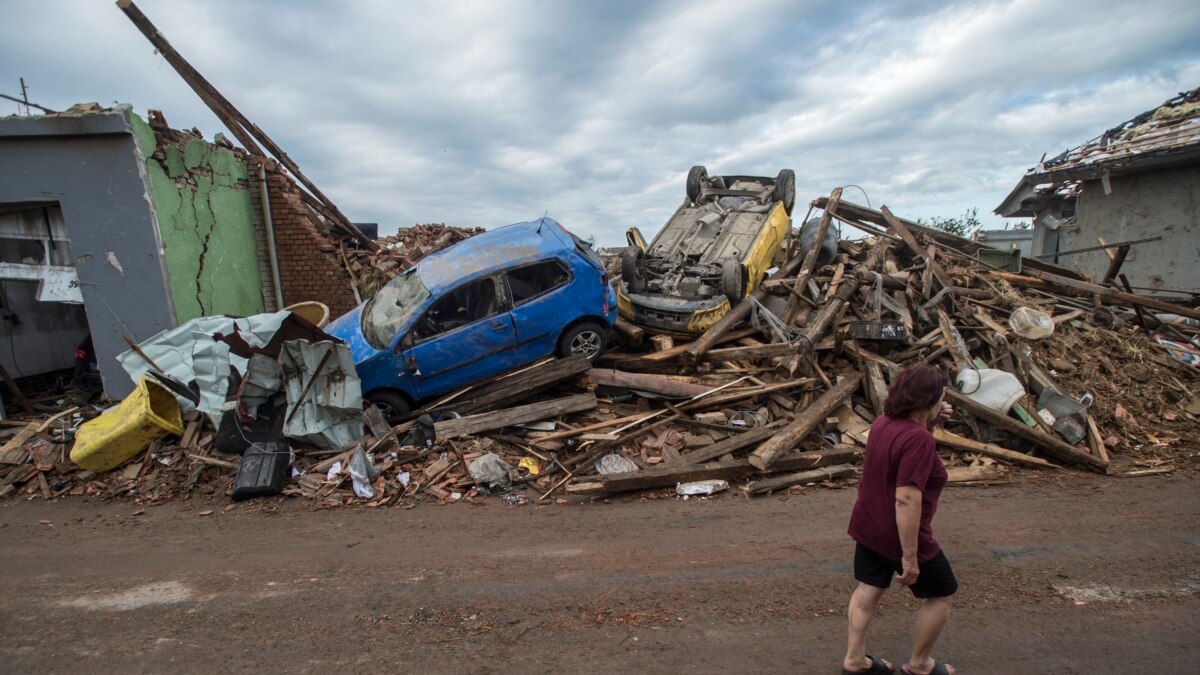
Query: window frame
point(513, 304)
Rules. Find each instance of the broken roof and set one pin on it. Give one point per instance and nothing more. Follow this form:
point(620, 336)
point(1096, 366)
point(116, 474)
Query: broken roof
point(1166, 136)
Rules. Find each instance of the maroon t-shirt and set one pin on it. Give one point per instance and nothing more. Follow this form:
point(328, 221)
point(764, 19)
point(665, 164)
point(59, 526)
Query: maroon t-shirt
point(899, 452)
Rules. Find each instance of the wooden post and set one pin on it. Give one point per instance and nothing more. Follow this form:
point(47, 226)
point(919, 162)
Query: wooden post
point(1114, 265)
point(810, 258)
point(805, 423)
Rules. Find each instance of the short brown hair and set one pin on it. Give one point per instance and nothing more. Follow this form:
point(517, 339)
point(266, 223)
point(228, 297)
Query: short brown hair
point(918, 387)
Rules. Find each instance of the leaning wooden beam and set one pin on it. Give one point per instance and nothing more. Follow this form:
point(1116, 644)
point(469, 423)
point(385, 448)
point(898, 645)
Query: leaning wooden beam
point(909, 240)
point(956, 442)
point(735, 315)
point(634, 333)
point(473, 424)
point(237, 123)
point(666, 477)
point(1035, 279)
point(804, 424)
point(810, 257)
point(732, 444)
point(608, 377)
point(1055, 447)
point(787, 480)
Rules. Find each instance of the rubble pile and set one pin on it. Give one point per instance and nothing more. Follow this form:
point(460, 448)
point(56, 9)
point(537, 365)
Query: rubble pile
point(398, 252)
point(1051, 372)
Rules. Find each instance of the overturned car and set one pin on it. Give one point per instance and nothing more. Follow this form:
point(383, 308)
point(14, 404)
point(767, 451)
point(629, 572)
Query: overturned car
point(715, 250)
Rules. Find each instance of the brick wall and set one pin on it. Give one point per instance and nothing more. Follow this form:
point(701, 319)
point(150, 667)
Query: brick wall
point(310, 267)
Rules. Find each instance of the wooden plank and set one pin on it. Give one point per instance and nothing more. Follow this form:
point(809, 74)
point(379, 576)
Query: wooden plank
point(877, 387)
point(852, 424)
point(970, 474)
point(909, 240)
point(734, 443)
point(518, 385)
point(1114, 265)
point(473, 424)
point(1051, 445)
point(766, 351)
point(609, 377)
point(23, 436)
point(957, 442)
point(1095, 439)
point(632, 331)
point(805, 423)
point(1037, 279)
point(785, 481)
point(668, 476)
point(810, 258)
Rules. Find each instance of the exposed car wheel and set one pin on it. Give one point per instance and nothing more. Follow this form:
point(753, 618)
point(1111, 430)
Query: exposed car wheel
point(631, 258)
point(733, 280)
point(392, 404)
point(587, 338)
point(695, 181)
point(785, 189)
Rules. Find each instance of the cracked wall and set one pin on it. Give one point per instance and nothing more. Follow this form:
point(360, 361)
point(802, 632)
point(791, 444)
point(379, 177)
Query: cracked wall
point(206, 223)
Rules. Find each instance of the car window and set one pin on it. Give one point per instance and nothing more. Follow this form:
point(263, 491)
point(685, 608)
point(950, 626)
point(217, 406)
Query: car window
point(464, 305)
point(390, 308)
point(530, 281)
point(585, 249)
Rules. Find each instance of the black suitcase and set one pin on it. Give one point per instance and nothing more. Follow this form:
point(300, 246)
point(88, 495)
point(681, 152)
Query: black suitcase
point(264, 470)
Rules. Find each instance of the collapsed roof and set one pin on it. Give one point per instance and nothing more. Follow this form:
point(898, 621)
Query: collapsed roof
point(1164, 137)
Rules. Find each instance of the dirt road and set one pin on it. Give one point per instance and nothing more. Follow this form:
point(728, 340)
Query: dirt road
point(632, 586)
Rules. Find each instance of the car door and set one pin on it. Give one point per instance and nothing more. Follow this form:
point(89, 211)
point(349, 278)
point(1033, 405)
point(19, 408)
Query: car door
point(541, 305)
point(465, 336)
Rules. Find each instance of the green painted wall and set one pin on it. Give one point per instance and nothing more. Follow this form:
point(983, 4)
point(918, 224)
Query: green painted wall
point(206, 225)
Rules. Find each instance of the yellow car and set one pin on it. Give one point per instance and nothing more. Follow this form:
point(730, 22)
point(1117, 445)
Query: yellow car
point(714, 251)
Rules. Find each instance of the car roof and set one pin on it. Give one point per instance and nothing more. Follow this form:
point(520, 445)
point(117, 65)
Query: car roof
point(491, 251)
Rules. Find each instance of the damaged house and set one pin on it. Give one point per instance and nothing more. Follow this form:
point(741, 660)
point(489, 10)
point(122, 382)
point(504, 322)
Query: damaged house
point(1134, 189)
point(122, 228)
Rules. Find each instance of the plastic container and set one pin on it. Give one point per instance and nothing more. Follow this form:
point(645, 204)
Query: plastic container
point(828, 245)
point(146, 415)
point(1007, 259)
point(995, 389)
point(1030, 323)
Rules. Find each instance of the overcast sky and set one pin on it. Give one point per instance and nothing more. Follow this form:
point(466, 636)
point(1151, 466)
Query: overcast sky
point(492, 112)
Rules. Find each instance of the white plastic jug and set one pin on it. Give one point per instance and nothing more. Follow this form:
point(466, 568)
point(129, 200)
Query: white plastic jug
point(1030, 323)
point(995, 389)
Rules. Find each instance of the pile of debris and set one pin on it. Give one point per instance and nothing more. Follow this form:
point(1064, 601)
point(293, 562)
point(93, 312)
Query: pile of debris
point(1051, 371)
point(371, 269)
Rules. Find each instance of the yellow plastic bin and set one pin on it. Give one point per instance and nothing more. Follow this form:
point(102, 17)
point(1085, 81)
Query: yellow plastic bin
point(146, 415)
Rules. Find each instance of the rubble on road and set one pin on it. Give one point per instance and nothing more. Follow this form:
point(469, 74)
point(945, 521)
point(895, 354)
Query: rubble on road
point(1053, 372)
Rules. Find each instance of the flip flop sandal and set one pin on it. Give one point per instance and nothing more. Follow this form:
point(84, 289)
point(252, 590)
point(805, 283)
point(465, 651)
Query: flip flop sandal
point(939, 668)
point(877, 666)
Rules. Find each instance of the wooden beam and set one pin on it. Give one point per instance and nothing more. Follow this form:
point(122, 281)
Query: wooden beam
point(956, 442)
point(1051, 445)
point(805, 423)
point(810, 257)
point(668, 476)
point(731, 444)
point(787, 480)
point(608, 377)
point(754, 352)
point(512, 387)
point(909, 240)
point(473, 424)
point(636, 334)
point(1037, 279)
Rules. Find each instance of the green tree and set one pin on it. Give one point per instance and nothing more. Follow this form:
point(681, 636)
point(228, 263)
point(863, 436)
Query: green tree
point(962, 226)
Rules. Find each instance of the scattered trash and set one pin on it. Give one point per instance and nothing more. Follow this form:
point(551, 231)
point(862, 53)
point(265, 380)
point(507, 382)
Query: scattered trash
point(701, 487)
point(1030, 323)
point(491, 472)
point(614, 463)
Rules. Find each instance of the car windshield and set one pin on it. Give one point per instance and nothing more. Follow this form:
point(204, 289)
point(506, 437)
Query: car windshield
point(391, 306)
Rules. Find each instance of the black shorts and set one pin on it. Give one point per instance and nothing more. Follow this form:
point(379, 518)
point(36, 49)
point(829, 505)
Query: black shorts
point(935, 579)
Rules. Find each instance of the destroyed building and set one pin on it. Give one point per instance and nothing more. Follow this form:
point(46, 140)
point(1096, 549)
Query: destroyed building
point(147, 227)
point(1137, 183)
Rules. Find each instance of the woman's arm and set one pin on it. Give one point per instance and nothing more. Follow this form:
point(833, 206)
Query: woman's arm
point(908, 522)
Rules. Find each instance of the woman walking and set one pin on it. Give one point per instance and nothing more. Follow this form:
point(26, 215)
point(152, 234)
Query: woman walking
point(897, 497)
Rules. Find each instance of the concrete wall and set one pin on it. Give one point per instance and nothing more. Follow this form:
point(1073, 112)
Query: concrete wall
point(89, 165)
point(206, 223)
point(1141, 205)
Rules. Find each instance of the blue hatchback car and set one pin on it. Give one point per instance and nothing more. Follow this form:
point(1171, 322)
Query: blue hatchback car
point(494, 302)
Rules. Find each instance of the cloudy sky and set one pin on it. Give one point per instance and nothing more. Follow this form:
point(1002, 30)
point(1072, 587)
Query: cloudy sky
point(491, 112)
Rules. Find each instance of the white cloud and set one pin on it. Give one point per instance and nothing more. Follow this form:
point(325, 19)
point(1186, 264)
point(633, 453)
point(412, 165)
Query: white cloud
point(484, 113)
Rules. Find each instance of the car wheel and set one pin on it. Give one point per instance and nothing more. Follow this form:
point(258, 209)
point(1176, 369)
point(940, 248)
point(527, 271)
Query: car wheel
point(392, 404)
point(785, 189)
point(631, 257)
point(733, 280)
point(695, 181)
point(588, 339)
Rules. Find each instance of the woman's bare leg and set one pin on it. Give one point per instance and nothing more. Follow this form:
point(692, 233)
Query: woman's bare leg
point(863, 603)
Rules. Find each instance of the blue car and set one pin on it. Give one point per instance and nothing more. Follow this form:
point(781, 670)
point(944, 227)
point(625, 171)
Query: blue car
point(494, 302)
